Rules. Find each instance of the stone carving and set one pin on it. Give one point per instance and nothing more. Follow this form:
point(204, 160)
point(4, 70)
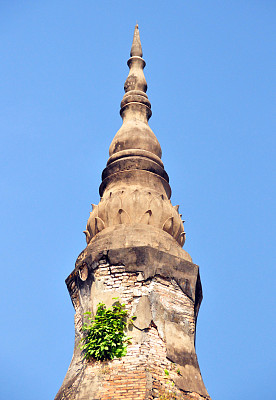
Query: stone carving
point(135, 206)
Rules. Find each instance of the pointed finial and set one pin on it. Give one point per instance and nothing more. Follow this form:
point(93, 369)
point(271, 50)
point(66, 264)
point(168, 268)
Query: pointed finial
point(135, 138)
point(136, 48)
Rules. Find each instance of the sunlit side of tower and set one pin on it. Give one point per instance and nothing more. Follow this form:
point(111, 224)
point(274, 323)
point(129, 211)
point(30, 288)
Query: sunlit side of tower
point(134, 253)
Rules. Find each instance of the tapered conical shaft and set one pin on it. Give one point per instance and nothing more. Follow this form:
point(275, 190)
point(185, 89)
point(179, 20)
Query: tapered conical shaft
point(135, 188)
point(136, 48)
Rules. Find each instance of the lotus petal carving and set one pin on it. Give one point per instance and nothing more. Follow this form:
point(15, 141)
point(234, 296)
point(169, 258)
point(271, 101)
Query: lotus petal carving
point(133, 206)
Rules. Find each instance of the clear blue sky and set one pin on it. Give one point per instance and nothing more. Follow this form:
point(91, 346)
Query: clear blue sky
point(211, 75)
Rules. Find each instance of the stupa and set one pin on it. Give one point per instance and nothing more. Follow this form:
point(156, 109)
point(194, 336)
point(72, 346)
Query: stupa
point(134, 253)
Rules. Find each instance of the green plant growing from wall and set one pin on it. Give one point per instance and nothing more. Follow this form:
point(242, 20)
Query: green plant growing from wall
point(104, 335)
point(166, 394)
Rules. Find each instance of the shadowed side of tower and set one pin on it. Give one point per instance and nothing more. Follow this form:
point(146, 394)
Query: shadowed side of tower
point(134, 253)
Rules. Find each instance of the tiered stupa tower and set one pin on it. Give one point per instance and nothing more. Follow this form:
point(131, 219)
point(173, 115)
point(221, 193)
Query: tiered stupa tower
point(134, 253)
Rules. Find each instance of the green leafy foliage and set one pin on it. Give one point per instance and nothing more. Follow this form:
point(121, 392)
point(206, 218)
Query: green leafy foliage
point(104, 336)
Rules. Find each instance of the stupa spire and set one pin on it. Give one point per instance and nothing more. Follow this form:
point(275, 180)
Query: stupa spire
point(135, 138)
point(135, 190)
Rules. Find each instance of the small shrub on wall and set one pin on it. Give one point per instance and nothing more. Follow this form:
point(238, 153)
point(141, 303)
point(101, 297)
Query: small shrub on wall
point(104, 336)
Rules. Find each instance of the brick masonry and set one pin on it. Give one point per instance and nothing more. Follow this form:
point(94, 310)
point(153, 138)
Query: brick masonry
point(146, 372)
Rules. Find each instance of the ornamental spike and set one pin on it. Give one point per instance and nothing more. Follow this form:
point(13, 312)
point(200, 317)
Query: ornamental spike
point(136, 48)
